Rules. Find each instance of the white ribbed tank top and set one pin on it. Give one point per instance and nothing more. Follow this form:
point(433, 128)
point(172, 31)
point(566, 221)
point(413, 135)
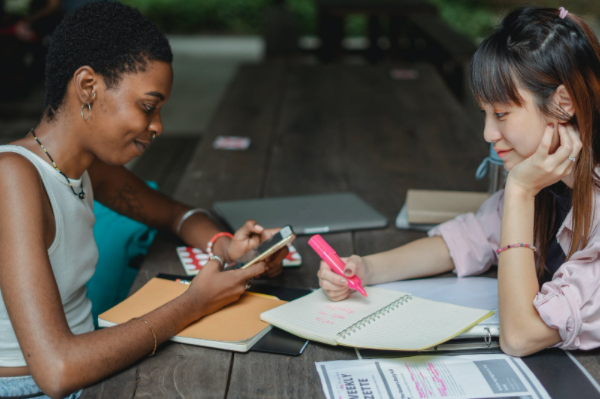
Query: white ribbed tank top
point(73, 253)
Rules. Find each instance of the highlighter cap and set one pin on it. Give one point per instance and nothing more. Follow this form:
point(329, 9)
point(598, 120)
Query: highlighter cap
point(320, 245)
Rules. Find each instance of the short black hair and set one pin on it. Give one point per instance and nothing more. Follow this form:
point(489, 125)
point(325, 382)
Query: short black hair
point(110, 37)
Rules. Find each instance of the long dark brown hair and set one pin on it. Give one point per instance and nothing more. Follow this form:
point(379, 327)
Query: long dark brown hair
point(534, 49)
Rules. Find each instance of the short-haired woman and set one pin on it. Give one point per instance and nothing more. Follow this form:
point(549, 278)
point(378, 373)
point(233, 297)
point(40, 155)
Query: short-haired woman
point(108, 75)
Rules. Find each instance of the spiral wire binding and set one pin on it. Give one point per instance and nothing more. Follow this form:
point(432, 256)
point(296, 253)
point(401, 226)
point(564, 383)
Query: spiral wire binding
point(367, 320)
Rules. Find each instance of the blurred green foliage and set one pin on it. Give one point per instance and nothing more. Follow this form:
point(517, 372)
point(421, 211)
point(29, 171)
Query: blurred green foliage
point(193, 16)
point(244, 16)
point(470, 17)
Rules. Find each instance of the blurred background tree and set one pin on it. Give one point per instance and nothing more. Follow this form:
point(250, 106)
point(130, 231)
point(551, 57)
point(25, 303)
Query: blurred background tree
point(474, 18)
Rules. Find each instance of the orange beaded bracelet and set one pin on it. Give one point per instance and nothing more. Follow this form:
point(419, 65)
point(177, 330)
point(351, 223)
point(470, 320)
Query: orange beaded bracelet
point(211, 243)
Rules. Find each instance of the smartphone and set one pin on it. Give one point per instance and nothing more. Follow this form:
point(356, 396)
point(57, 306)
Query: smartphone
point(265, 249)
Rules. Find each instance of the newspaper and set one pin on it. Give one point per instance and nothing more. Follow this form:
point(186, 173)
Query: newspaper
point(464, 377)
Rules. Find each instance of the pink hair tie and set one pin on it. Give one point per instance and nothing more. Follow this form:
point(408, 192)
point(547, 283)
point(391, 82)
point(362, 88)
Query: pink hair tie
point(563, 13)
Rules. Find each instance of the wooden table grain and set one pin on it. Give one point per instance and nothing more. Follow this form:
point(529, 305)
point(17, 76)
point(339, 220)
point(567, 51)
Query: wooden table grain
point(314, 129)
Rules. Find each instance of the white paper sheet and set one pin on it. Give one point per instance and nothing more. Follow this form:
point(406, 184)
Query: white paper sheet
point(464, 377)
point(474, 292)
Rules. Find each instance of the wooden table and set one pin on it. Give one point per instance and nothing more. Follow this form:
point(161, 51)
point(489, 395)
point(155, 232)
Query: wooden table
point(313, 130)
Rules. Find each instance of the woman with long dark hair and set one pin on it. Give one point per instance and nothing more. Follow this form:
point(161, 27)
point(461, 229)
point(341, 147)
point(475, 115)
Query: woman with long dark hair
point(537, 79)
point(108, 75)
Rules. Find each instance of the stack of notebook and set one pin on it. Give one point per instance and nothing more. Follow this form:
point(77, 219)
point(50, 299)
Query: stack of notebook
point(426, 208)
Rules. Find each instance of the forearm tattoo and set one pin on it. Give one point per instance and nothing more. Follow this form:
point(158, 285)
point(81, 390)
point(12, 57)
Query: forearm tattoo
point(126, 202)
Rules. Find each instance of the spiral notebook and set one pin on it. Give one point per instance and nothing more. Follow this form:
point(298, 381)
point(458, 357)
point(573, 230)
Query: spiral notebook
point(385, 319)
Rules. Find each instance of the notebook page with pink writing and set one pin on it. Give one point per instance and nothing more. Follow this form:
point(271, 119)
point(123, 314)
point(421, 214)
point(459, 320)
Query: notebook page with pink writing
point(317, 318)
point(414, 325)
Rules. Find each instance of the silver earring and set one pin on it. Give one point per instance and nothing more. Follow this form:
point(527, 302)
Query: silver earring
point(93, 95)
point(89, 111)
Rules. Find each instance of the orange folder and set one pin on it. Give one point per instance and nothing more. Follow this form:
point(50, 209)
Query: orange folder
point(235, 327)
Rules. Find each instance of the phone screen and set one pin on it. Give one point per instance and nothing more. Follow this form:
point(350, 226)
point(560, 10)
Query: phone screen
point(263, 247)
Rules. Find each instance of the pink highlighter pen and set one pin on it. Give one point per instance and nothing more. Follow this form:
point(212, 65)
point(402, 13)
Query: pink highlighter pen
point(330, 257)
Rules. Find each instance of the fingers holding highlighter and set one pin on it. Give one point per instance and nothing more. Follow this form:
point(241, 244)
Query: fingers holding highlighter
point(336, 286)
point(337, 276)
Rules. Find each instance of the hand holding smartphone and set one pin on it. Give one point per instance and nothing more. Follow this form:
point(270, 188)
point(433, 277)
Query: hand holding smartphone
point(265, 249)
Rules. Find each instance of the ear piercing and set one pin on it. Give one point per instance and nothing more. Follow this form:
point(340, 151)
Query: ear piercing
point(89, 108)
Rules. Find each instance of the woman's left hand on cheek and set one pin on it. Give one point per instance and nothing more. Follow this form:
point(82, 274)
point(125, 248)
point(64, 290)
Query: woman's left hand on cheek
point(543, 169)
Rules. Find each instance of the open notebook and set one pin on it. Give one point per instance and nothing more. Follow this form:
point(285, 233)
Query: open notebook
point(464, 291)
point(384, 320)
point(235, 327)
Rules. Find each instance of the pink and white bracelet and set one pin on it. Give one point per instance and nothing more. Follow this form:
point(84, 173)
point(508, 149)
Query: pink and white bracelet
point(211, 243)
point(515, 246)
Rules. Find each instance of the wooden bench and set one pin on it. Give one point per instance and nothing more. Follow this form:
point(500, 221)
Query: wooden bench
point(333, 12)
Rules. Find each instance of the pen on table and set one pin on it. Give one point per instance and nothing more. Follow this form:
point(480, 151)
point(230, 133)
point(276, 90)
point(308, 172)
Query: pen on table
point(336, 264)
point(188, 282)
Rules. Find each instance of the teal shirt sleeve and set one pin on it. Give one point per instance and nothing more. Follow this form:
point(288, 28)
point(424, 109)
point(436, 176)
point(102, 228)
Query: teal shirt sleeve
point(120, 241)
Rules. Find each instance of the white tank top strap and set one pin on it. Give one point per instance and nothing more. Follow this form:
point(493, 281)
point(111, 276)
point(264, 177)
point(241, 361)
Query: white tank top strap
point(73, 254)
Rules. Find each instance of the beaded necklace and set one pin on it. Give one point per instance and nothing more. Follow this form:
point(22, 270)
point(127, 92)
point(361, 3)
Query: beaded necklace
point(81, 194)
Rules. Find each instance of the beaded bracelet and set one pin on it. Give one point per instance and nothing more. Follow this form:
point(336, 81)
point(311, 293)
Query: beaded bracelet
point(153, 334)
point(211, 243)
point(515, 246)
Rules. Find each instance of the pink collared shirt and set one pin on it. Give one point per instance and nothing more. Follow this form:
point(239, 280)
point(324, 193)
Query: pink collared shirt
point(570, 302)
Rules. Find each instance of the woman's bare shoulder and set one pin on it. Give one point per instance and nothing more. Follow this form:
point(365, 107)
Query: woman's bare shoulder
point(20, 181)
point(14, 164)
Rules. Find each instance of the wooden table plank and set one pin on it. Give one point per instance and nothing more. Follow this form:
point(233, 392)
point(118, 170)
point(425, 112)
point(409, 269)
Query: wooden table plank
point(399, 139)
point(184, 371)
point(120, 386)
point(264, 375)
point(307, 156)
point(307, 152)
point(409, 132)
point(250, 108)
point(306, 159)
